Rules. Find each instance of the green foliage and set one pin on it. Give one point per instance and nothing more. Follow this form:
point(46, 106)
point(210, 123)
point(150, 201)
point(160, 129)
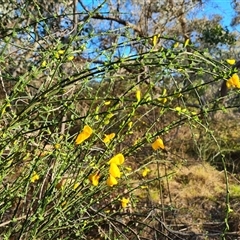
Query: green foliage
point(218, 34)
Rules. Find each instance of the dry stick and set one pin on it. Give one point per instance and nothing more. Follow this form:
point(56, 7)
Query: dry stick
point(161, 191)
point(4, 89)
point(7, 222)
point(3, 86)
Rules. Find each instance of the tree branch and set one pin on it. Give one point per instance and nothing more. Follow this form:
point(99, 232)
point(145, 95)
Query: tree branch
point(120, 21)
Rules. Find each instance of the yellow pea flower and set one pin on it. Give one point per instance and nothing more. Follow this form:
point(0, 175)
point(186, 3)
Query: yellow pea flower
point(57, 146)
point(158, 144)
point(164, 100)
point(111, 181)
point(155, 39)
point(61, 52)
point(138, 95)
point(58, 53)
point(107, 103)
point(70, 58)
point(233, 81)
point(117, 159)
point(186, 42)
point(94, 178)
point(85, 134)
point(229, 83)
point(178, 109)
point(34, 177)
point(236, 81)
point(124, 202)
point(231, 61)
point(145, 171)
point(176, 44)
point(110, 115)
point(108, 138)
point(114, 170)
point(75, 186)
point(164, 91)
point(44, 63)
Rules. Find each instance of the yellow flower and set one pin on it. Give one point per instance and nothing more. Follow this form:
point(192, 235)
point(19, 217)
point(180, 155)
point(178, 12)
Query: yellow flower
point(231, 61)
point(70, 58)
point(145, 171)
point(164, 100)
point(107, 103)
point(108, 137)
point(75, 186)
point(176, 44)
point(57, 146)
point(186, 42)
point(233, 81)
point(44, 63)
point(111, 181)
point(124, 202)
point(110, 115)
point(130, 125)
point(158, 144)
point(94, 178)
point(61, 52)
point(85, 134)
point(155, 39)
point(138, 95)
point(34, 177)
point(178, 109)
point(114, 170)
point(117, 159)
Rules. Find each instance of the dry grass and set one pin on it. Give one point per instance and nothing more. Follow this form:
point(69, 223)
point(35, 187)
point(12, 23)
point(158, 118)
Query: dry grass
point(193, 196)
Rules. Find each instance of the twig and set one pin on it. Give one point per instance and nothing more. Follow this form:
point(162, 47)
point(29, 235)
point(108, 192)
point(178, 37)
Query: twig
point(8, 222)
